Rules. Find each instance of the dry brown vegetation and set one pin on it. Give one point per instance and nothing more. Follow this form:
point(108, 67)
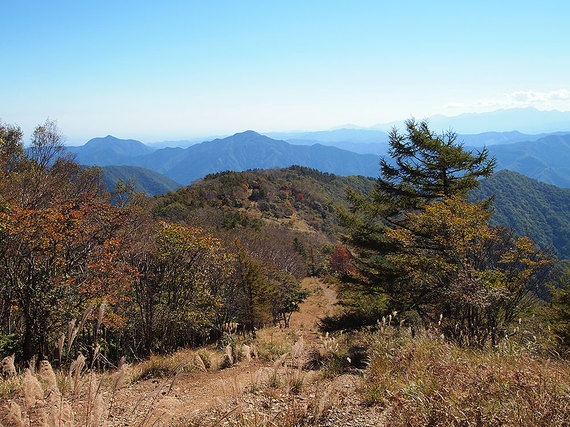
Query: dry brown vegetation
point(298, 376)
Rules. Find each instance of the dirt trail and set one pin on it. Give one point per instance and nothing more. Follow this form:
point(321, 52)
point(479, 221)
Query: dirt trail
point(160, 402)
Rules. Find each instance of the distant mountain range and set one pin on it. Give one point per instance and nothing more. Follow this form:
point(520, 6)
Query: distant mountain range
point(545, 158)
point(376, 141)
point(526, 120)
point(476, 129)
point(242, 151)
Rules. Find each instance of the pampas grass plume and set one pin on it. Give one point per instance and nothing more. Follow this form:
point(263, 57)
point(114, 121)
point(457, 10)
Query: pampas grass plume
point(8, 367)
point(75, 370)
point(32, 389)
point(101, 313)
point(47, 374)
point(15, 415)
point(60, 344)
point(99, 411)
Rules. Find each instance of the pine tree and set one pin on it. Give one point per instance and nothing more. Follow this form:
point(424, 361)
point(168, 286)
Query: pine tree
point(424, 167)
point(427, 166)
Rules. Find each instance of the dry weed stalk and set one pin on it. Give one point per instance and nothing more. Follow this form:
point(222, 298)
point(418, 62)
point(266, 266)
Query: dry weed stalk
point(163, 413)
point(73, 331)
point(60, 344)
point(237, 388)
point(200, 363)
point(70, 334)
point(75, 370)
point(32, 364)
point(95, 354)
point(228, 356)
point(246, 351)
point(298, 348)
point(60, 413)
point(99, 412)
point(100, 314)
point(96, 408)
point(159, 391)
point(322, 403)
point(117, 380)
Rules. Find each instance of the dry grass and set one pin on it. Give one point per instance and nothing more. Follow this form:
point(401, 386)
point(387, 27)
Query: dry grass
point(272, 343)
point(158, 366)
point(426, 381)
point(37, 399)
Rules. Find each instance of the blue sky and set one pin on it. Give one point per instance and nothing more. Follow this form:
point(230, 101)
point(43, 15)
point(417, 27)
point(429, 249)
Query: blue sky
point(177, 69)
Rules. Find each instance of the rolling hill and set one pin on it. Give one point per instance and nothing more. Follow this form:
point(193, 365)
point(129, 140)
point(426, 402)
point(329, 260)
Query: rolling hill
point(296, 197)
point(527, 206)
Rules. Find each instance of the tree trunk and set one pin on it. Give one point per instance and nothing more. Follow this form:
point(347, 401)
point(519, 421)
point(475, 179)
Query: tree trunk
point(28, 342)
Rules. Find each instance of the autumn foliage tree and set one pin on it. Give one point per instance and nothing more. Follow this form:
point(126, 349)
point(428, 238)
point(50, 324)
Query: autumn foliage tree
point(423, 168)
point(59, 241)
point(457, 270)
point(67, 246)
point(181, 287)
point(340, 261)
point(255, 293)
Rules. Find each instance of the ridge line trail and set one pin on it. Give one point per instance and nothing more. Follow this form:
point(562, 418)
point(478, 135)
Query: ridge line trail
point(193, 392)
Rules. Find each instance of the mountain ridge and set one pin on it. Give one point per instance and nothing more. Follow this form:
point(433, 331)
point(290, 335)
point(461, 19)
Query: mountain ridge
point(239, 152)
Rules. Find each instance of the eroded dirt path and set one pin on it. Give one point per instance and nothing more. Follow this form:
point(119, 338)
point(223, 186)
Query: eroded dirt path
point(184, 397)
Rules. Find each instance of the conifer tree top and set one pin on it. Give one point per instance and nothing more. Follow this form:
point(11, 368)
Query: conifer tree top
point(426, 166)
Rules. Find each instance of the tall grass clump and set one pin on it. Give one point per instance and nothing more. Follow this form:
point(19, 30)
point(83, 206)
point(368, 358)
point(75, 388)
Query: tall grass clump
point(428, 381)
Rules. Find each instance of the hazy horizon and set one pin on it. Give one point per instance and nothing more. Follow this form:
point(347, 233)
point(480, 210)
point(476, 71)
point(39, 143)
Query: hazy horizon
point(182, 70)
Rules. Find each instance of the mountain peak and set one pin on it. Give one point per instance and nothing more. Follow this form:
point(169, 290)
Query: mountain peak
point(249, 134)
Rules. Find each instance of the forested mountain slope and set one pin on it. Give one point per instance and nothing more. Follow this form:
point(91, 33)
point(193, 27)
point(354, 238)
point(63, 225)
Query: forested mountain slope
point(152, 183)
point(530, 207)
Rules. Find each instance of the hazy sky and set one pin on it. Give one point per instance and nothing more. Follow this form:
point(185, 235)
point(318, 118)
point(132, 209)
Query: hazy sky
point(173, 69)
